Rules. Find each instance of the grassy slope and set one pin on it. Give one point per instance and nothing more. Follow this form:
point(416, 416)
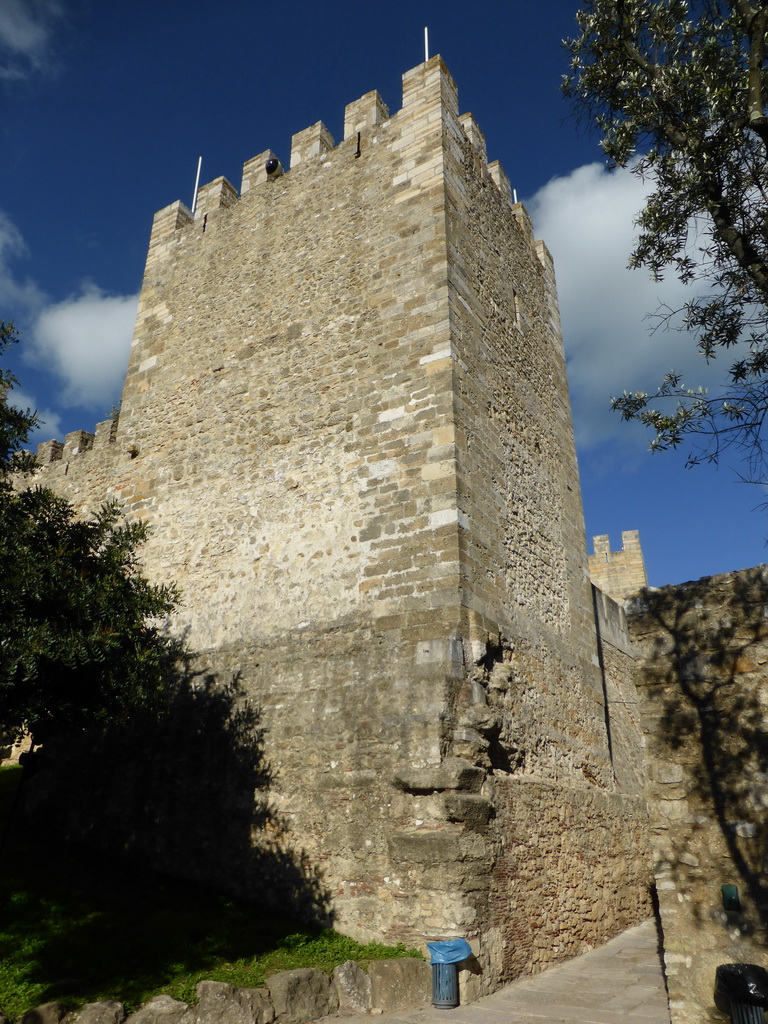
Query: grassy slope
point(78, 927)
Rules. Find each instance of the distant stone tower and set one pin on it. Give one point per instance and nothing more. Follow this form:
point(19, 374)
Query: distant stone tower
point(346, 417)
point(618, 573)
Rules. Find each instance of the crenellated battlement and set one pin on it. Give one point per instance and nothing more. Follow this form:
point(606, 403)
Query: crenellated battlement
point(475, 135)
point(78, 443)
point(386, 164)
point(312, 142)
point(362, 118)
point(213, 196)
point(618, 573)
point(367, 112)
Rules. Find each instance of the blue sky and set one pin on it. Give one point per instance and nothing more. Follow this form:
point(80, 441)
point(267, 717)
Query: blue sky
point(107, 106)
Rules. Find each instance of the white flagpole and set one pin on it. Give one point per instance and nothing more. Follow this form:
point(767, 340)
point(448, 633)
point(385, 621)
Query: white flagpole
point(197, 183)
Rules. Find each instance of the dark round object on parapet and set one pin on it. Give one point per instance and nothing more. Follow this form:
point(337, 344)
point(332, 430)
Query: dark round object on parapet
point(273, 167)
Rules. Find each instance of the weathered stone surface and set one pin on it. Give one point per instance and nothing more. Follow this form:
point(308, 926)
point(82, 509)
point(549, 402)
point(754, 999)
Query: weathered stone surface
point(301, 995)
point(501, 676)
point(47, 1013)
point(400, 984)
point(469, 808)
point(162, 1009)
point(220, 1003)
point(618, 573)
point(353, 988)
point(469, 743)
point(425, 847)
point(482, 719)
point(702, 684)
point(346, 421)
point(106, 1011)
point(453, 773)
point(598, 836)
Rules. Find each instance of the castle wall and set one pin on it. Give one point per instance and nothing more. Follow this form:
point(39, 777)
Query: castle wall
point(523, 557)
point(282, 372)
point(346, 418)
point(704, 648)
point(575, 859)
point(537, 719)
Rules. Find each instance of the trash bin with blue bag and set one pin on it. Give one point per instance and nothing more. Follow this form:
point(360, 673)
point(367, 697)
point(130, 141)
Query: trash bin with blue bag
point(444, 957)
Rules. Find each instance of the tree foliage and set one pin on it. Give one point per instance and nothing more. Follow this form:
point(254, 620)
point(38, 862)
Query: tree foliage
point(677, 89)
point(81, 635)
point(15, 425)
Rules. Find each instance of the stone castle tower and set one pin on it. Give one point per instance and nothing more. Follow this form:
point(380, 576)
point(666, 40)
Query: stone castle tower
point(346, 418)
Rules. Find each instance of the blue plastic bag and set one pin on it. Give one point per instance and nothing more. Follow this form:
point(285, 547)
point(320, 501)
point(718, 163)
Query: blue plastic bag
point(450, 951)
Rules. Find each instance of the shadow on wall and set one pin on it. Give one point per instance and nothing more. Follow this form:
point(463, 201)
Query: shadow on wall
point(705, 680)
point(188, 794)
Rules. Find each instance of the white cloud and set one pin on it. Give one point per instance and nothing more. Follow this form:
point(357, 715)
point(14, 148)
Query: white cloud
point(50, 422)
point(587, 221)
point(26, 27)
point(85, 341)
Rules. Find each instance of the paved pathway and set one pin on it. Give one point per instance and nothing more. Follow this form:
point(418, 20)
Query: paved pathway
point(620, 982)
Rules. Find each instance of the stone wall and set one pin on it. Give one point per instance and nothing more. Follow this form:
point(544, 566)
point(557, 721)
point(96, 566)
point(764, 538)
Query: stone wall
point(705, 711)
point(346, 419)
point(288, 997)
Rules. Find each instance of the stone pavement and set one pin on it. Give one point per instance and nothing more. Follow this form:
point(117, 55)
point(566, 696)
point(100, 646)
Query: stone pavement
point(620, 982)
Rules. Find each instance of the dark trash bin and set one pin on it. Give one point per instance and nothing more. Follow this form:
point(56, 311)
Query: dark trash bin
point(444, 957)
point(742, 991)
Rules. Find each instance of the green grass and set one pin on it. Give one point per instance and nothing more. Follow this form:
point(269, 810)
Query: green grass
point(78, 927)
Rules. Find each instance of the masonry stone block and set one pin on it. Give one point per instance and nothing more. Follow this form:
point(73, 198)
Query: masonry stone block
point(49, 451)
point(433, 848)
point(106, 1011)
point(166, 222)
point(301, 995)
point(161, 1009)
point(469, 808)
point(353, 988)
point(401, 984)
point(47, 1013)
point(215, 195)
point(312, 142)
point(76, 442)
point(500, 179)
point(364, 113)
point(453, 773)
point(619, 574)
point(220, 1003)
point(475, 135)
